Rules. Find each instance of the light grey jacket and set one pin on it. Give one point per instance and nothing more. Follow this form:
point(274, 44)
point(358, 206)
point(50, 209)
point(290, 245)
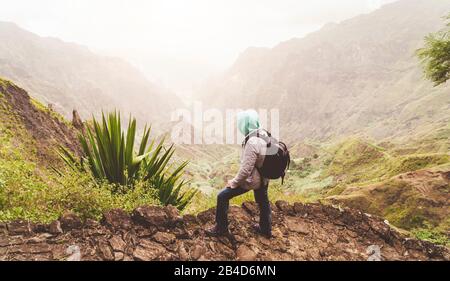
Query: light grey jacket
point(253, 156)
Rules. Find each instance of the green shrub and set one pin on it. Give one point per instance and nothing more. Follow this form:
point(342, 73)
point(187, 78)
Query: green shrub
point(432, 236)
point(43, 202)
point(110, 156)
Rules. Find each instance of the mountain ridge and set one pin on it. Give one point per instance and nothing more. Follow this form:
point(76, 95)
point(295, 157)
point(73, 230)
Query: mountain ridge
point(70, 76)
point(360, 75)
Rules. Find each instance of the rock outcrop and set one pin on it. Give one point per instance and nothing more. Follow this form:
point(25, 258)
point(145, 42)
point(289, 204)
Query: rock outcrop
point(301, 232)
point(76, 120)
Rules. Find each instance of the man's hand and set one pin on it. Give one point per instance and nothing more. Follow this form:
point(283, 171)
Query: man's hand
point(230, 184)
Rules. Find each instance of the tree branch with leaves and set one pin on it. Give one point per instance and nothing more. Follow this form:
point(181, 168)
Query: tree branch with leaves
point(435, 56)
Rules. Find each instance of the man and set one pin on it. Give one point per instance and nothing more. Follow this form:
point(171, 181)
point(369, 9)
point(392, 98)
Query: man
point(247, 179)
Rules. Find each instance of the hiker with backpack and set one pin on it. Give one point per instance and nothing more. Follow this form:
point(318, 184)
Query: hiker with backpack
point(263, 158)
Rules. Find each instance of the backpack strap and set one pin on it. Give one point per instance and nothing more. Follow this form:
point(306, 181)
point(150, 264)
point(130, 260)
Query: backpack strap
point(287, 154)
point(267, 132)
point(256, 133)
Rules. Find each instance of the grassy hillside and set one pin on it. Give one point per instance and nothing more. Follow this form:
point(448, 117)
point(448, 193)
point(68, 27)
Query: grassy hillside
point(417, 201)
point(406, 183)
point(29, 188)
point(357, 161)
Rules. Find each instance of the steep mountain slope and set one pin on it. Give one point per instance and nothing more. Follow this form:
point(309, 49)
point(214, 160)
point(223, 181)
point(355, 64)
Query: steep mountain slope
point(69, 76)
point(358, 76)
point(419, 199)
point(35, 183)
point(406, 183)
point(30, 134)
point(359, 161)
point(301, 232)
point(24, 122)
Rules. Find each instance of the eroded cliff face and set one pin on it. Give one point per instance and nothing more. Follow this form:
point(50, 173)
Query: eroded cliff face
point(301, 232)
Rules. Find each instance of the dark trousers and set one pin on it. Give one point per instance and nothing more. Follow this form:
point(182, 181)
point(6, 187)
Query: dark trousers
point(261, 198)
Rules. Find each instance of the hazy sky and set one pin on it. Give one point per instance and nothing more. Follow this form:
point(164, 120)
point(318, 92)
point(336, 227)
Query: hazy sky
point(199, 34)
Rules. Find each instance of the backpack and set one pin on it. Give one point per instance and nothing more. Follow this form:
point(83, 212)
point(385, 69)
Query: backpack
point(277, 159)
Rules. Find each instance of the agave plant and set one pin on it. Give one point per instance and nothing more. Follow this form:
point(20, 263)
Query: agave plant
point(109, 155)
point(169, 191)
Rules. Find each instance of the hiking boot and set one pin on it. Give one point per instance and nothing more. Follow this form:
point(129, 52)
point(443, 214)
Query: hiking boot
point(216, 232)
point(258, 230)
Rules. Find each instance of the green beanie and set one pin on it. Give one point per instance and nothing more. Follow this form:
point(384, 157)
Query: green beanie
point(248, 121)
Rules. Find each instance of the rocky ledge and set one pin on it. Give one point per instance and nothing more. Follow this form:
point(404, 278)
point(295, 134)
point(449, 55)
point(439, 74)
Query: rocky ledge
point(301, 232)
